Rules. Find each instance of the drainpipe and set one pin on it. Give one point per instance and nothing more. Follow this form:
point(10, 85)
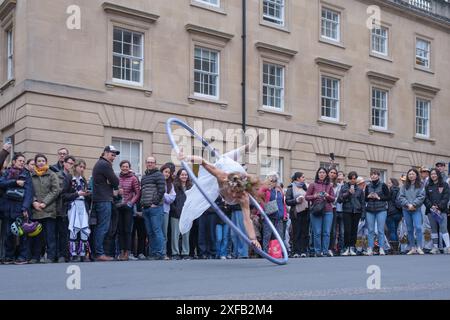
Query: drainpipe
point(244, 64)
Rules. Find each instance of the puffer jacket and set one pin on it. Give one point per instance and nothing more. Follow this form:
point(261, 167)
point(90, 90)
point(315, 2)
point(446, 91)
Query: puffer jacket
point(393, 206)
point(153, 187)
point(131, 188)
point(46, 190)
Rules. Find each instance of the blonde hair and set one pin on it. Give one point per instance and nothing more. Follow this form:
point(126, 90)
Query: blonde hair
point(240, 182)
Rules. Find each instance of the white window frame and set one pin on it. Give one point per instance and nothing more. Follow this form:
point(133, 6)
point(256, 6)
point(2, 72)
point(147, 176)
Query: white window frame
point(274, 87)
point(374, 107)
point(10, 54)
point(131, 57)
point(380, 37)
point(208, 73)
point(427, 58)
point(338, 102)
point(427, 104)
point(278, 4)
point(210, 3)
point(117, 142)
point(324, 20)
point(279, 166)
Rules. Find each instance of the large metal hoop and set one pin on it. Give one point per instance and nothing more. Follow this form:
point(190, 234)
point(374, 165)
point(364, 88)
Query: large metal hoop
point(188, 169)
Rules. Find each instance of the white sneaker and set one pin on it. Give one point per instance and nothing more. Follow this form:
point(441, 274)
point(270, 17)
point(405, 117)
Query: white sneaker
point(435, 251)
point(352, 252)
point(346, 252)
point(368, 252)
point(330, 253)
point(382, 253)
point(420, 251)
point(447, 250)
point(412, 251)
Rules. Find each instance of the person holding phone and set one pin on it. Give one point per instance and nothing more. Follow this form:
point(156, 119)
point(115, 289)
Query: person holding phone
point(4, 153)
point(353, 205)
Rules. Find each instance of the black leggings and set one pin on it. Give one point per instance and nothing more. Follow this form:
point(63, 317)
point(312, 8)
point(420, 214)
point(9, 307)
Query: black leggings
point(300, 228)
point(351, 221)
point(141, 233)
point(125, 225)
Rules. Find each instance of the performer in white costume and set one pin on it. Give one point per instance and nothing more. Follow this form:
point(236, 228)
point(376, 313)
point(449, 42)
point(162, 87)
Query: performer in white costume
point(225, 177)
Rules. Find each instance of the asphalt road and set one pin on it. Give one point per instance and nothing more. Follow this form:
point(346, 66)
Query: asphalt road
point(401, 277)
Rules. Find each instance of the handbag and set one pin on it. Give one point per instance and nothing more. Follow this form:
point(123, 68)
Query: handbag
point(16, 194)
point(318, 208)
point(271, 207)
point(275, 249)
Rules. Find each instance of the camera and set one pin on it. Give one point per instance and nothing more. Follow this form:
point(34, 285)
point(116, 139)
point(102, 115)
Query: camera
point(331, 155)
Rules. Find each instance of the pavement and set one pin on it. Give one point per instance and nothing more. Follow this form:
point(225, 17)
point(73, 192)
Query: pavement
point(400, 277)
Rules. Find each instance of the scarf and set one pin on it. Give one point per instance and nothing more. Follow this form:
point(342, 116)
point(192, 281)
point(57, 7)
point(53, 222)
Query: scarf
point(41, 171)
point(297, 190)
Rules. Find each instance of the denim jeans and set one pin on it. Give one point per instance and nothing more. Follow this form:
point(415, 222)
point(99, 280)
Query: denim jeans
point(240, 248)
point(222, 231)
point(392, 223)
point(268, 233)
point(413, 221)
point(321, 231)
point(154, 218)
point(103, 210)
point(380, 218)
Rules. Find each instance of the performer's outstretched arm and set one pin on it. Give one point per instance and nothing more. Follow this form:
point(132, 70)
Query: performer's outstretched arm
point(219, 174)
point(248, 224)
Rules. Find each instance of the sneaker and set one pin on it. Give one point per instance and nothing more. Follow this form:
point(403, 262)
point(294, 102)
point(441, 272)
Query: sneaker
point(20, 261)
point(435, 251)
point(46, 260)
point(223, 258)
point(104, 258)
point(187, 257)
point(8, 261)
point(412, 251)
point(369, 252)
point(447, 250)
point(346, 252)
point(352, 251)
point(303, 255)
point(229, 256)
point(420, 251)
point(318, 255)
point(75, 259)
point(33, 261)
point(296, 255)
point(329, 254)
point(382, 253)
point(141, 256)
point(61, 260)
point(132, 257)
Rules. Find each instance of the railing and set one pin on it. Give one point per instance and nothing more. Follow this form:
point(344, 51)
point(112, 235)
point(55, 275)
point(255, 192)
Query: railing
point(439, 9)
point(421, 4)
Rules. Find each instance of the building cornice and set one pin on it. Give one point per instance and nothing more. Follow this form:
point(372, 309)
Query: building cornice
point(279, 50)
point(418, 87)
point(5, 7)
point(332, 64)
point(130, 12)
point(376, 76)
point(192, 28)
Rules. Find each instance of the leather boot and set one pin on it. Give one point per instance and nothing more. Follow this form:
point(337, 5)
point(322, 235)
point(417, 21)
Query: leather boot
point(125, 255)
